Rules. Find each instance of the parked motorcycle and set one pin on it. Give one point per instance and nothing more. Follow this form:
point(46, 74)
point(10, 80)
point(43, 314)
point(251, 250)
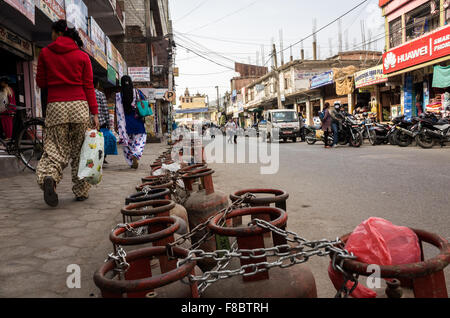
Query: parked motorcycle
point(351, 132)
point(381, 134)
point(405, 131)
point(431, 131)
point(314, 135)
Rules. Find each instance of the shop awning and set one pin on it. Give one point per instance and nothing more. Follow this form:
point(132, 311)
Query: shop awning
point(417, 67)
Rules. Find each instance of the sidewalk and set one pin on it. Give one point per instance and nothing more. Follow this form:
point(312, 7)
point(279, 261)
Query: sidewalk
point(37, 243)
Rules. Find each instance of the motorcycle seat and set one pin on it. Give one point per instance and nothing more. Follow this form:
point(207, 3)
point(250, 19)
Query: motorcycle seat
point(442, 127)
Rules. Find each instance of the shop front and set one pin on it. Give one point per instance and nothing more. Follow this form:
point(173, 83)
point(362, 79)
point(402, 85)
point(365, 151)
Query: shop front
point(369, 86)
point(422, 65)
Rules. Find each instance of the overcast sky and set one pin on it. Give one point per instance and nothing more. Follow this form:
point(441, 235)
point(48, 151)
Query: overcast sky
point(234, 30)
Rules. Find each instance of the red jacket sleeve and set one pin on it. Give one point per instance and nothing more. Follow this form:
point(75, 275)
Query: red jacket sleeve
point(88, 84)
point(41, 75)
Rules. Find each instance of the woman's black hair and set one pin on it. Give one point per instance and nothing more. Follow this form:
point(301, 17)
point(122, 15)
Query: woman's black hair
point(327, 105)
point(68, 30)
point(127, 92)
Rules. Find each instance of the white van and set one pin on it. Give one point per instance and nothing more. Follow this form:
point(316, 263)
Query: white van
point(282, 121)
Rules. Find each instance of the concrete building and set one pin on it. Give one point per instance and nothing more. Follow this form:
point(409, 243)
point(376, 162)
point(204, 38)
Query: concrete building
point(147, 46)
point(194, 109)
point(294, 79)
point(417, 47)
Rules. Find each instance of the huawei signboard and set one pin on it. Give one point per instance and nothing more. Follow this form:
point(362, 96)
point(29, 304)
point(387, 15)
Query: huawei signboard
point(424, 49)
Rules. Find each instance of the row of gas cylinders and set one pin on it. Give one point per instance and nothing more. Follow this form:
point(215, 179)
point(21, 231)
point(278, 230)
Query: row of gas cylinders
point(152, 273)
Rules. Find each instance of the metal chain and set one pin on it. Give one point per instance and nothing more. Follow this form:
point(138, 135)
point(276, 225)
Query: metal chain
point(120, 260)
point(204, 226)
point(287, 256)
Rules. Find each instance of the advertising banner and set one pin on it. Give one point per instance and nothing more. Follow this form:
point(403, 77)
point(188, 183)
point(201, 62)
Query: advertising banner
point(26, 7)
point(321, 80)
point(112, 75)
point(54, 9)
point(120, 65)
point(77, 14)
point(109, 53)
point(370, 76)
point(15, 41)
point(424, 49)
point(99, 44)
point(89, 47)
point(139, 74)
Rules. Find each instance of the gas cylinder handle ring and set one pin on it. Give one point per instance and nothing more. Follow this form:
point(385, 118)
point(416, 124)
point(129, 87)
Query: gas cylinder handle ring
point(150, 195)
point(279, 217)
point(158, 206)
point(280, 196)
point(143, 239)
point(139, 285)
point(198, 174)
point(413, 270)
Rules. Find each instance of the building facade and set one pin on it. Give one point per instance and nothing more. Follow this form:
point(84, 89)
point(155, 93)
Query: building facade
point(306, 85)
point(417, 55)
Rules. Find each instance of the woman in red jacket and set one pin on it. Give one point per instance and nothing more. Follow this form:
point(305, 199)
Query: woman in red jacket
point(66, 71)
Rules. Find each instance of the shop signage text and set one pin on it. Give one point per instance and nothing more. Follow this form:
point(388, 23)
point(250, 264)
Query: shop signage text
point(15, 41)
point(139, 74)
point(321, 80)
point(424, 49)
point(370, 76)
point(54, 9)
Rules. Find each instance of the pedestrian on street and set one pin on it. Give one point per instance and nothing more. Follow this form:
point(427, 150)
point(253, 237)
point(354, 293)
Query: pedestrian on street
point(66, 71)
point(131, 126)
point(302, 127)
point(229, 130)
point(336, 119)
point(7, 115)
point(326, 124)
point(103, 117)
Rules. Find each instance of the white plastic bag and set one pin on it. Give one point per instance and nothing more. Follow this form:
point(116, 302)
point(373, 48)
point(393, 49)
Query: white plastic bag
point(92, 157)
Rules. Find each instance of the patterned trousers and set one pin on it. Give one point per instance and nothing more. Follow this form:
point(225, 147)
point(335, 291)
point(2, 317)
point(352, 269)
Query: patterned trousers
point(62, 144)
point(135, 147)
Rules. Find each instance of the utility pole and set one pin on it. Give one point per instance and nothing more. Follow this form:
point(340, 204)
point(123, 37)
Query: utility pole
point(170, 86)
point(218, 99)
point(281, 47)
point(277, 77)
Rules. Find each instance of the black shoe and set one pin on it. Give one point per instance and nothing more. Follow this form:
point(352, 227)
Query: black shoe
point(80, 199)
point(50, 196)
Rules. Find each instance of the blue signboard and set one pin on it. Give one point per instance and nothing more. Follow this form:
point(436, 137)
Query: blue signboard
point(408, 97)
point(321, 80)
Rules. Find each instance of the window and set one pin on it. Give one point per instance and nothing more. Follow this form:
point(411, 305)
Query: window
point(423, 19)
point(287, 83)
point(395, 32)
point(182, 100)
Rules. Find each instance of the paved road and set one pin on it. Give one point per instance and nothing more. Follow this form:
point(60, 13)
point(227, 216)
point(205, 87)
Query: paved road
point(333, 190)
point(37, 243)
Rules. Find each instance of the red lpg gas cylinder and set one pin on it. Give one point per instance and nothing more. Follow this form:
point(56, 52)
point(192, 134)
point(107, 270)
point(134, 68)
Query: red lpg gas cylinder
point(157, 208)
point(142, 279)
point(201, 205)
point(296, 281)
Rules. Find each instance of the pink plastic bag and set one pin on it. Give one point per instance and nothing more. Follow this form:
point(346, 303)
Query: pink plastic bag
point(378, 241)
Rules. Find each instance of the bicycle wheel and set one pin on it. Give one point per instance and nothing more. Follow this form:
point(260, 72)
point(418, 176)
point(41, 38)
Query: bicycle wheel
point(30, 144)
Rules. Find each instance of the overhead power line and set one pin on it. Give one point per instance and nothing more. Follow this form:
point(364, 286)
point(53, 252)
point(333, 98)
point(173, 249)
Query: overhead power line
point(189, 13)
point(205, 58)
point(320, 29)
